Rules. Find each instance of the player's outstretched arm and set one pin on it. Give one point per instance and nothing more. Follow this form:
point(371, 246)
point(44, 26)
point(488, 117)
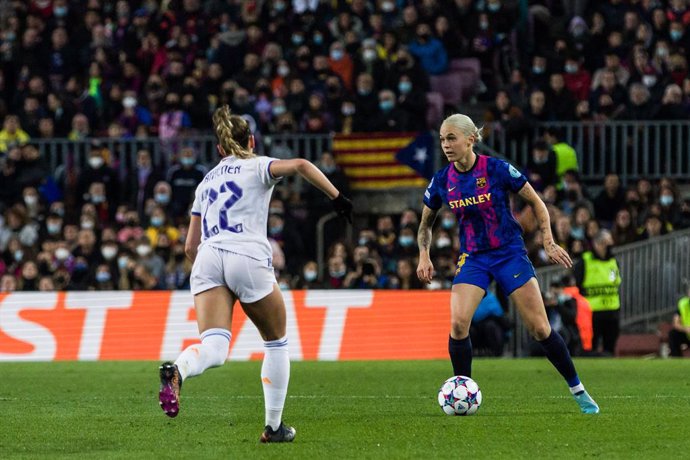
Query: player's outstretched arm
point(425, 268)
point(556, 253)
point(282, 168)
point(193, 237)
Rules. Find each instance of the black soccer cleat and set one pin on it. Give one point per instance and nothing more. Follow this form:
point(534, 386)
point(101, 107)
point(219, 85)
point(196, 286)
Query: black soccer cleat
point(284, 433)
point(169, 393)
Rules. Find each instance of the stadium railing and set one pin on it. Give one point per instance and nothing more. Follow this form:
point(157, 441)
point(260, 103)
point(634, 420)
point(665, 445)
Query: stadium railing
point(632, 149)
point(653, 273)
point(650, 149)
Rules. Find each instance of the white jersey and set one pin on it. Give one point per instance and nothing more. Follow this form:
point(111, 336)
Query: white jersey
point(232, 201)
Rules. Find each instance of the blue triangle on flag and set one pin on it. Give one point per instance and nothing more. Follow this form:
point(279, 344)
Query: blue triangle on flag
point(419, 155)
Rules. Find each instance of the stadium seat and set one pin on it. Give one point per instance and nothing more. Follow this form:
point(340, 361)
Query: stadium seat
point(471, 64)
point(459, 83)
point(638, 345)
point(450, 86)
point(434, 110)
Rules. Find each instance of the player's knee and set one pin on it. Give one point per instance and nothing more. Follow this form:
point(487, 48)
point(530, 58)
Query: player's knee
point(540, 331)
point(460, 327)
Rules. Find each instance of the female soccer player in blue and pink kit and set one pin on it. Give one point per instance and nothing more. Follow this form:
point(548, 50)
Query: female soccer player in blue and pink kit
point(476, 188)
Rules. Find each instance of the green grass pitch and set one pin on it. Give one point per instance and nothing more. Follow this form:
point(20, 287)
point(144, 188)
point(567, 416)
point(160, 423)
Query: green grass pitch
point(346, 410)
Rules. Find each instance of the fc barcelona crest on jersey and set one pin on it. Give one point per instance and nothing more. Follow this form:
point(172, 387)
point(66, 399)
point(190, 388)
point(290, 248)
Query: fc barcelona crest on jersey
point(481, 182)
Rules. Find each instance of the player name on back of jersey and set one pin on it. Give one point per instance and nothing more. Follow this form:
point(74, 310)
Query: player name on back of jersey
point(472, 200)
point(222, 170)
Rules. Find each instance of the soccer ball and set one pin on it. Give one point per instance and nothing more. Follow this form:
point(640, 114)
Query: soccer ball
point(459, 395)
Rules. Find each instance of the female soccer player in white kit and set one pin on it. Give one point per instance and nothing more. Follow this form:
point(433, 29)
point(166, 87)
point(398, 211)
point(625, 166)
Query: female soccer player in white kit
point(232, 261)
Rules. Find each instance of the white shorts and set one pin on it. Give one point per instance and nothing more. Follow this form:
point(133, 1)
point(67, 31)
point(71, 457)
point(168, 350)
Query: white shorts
point(249, 279)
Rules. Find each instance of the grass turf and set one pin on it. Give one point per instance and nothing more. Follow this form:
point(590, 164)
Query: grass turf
point(346, 410)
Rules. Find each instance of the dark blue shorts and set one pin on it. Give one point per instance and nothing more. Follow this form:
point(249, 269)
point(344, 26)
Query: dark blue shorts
point(508, 265)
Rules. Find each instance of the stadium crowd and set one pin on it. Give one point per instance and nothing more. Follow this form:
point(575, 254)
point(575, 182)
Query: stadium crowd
point(146, 68)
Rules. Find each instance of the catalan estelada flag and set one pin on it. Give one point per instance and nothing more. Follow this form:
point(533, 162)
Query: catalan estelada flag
point(385, 160)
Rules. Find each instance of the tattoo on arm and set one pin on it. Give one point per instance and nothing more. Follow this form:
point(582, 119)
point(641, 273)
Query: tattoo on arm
point(541, 213)
point(424, 232)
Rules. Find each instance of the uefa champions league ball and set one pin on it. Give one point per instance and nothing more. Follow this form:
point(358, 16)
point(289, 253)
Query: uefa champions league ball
point(459, 395)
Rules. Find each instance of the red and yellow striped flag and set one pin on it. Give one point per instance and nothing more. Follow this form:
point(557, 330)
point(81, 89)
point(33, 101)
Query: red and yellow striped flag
point(384, 160)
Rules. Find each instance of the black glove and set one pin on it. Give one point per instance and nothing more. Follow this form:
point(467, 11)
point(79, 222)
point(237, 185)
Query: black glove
point(343, 207)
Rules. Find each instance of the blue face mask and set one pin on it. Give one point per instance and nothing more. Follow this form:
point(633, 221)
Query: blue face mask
point(405, 87)
point(666, 200)
point(406, 241)
point(676, 35)
point(386, 105)
point(537, 70)
point(309, 275)
point(187, 161)
point(122, 263)
point(570, 68)
point(362, 241)
point(448, 223)
point(60, 11)
point(279, 110)
point(577, 233)
point(318, 39)
point(53, 229)
point(297, 39)
point(102, 277)
point(493, 7)
point(156, 221)
point(363, 92)
point(275, 229)
point(337, 55)
point(162, 198)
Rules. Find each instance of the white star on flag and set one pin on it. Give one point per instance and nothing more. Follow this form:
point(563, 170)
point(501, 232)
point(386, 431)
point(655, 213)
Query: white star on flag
point(420, 154)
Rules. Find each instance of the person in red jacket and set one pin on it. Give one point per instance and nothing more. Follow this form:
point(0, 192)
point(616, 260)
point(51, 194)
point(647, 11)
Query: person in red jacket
point(583, 318)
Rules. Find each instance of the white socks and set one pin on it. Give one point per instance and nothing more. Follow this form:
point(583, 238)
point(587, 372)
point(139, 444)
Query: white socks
point(577, 389)
point(211, 352)
point(275, 375)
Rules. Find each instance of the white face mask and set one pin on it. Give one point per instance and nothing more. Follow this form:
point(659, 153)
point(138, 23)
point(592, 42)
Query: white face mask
point(143, 250)
point(109, 252)
point(31, 200)
point(61, 253)
point(96, 162)
point(369, 55)
point(129, 102)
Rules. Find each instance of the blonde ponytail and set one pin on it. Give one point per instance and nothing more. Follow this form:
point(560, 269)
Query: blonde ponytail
point(232, 132)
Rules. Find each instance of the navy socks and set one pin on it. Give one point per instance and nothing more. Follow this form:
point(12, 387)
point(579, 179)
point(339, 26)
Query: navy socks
point(557, 352)
point(461, 355)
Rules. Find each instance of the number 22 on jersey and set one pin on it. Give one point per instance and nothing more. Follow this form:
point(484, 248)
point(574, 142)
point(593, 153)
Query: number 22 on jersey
point(233, 192)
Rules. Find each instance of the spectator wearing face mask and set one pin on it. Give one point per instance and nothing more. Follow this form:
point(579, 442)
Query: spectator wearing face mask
point(133, 114)
point(152, 263)
point(412, 100)
point(407, 242)
point(389, 117)
point(159, 225)
point(541, 166)
point(184, 178)
point(140, 181)
point(162, 196)
point(309, 277)
point(97, 170)
point(103, 278)
point(429, 50)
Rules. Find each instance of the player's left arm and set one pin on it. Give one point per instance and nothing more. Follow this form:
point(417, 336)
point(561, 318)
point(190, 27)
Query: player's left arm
point(556, 253)
point(193, 237)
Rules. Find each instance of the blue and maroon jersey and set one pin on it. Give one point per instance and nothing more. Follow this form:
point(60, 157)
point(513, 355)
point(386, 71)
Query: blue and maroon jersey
point(479, 198)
